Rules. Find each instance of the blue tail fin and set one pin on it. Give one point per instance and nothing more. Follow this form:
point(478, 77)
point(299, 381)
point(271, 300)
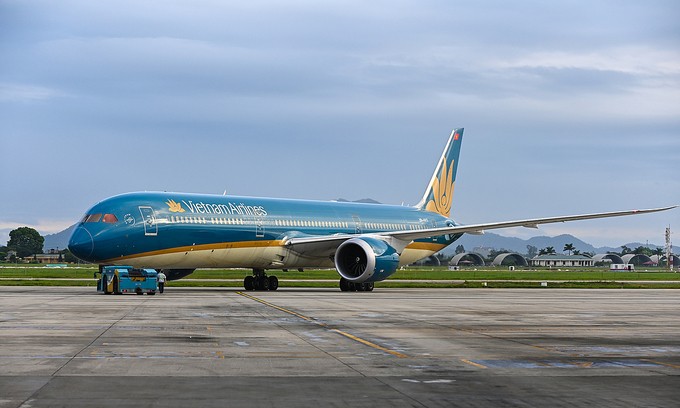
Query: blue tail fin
point(439, 193)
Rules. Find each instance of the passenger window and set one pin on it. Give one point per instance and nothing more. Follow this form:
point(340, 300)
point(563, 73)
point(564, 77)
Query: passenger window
point(110, 218)
point(93, 218)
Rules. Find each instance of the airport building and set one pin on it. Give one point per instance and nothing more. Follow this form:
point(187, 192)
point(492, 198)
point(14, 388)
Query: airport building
point(556, 260)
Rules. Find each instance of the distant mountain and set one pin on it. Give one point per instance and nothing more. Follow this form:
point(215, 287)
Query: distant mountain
point(498, 242)
point(58, 240)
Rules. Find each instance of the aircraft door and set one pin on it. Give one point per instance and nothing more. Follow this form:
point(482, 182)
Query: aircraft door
point(259, 227)
point(149, 218)
point(357, 224)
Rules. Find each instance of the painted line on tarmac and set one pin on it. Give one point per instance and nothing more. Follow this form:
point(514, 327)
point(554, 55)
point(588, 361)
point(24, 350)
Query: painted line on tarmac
point(324, 325)
point(564, 364)
point(662, 363)
point(472, 363)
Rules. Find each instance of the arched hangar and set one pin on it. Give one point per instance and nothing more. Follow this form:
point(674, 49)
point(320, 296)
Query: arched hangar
point(637, 259)
point(511, 259)
point(661, 260)
point(467, 258)
point(613, 258)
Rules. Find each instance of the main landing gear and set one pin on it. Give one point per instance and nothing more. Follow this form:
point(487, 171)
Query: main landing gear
point(260, 281)
point(347, 286)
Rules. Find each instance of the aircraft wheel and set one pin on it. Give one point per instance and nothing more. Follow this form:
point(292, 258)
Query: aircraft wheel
point(273, 282)
point(347, 286)
point(264, 283)
point(249, 283)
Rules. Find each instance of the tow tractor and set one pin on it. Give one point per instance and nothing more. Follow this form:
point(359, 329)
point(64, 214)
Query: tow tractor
point(126, 279)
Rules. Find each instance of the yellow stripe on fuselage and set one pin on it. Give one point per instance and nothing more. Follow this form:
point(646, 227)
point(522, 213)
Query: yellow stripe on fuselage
point(427, 246)
point(202, 247)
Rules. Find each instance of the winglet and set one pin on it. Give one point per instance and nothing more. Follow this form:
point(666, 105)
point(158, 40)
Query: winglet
point(438, 196)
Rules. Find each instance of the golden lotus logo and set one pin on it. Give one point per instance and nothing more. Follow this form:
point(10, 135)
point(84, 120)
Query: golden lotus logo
point(174, 206)
point(442, 192)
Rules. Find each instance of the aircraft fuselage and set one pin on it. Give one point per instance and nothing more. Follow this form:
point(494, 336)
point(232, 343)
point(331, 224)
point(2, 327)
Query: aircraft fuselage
point(179, 230)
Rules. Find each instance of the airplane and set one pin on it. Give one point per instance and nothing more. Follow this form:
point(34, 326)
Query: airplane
point(365, 243)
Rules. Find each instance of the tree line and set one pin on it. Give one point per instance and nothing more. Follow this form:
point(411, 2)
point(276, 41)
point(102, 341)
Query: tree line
point(25, 243)
point(569, 249)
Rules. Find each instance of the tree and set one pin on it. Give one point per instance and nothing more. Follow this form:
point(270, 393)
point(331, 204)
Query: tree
point(494, 253)
point(443, 258)
point(569, 248)
point(625, 250)
point(531, 251)
point(659, 252)
point(69, 257)
point(642, 251)
point(547, 251)
point(26, 241)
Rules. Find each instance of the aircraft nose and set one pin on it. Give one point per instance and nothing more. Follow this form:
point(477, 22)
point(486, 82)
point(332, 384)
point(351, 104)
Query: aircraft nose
point(81, 244)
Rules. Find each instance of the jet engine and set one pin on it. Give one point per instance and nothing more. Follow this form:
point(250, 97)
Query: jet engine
point(366, 259)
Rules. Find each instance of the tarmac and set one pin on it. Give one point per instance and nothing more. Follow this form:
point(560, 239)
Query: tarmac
point(205, 347)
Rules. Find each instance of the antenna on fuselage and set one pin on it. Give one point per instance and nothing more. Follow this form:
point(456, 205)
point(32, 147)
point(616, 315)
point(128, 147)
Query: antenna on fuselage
point(225, 193)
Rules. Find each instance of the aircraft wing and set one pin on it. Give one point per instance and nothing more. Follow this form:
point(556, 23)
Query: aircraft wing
point(530, 223)
point(325, 245)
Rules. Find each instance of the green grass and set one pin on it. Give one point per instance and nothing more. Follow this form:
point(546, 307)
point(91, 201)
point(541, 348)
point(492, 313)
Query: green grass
point(596, 277)
point(47, 282)
point(41, 272)
point(572, 274)
point(386, 284)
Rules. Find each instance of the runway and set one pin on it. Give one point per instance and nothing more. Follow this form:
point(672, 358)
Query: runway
point(322, 347)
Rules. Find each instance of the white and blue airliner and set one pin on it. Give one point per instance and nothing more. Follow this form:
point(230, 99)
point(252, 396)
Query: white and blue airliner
point(366, 243)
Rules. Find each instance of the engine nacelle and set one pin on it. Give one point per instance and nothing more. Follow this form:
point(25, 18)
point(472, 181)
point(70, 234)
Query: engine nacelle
point(366, 260)
point(175, 274)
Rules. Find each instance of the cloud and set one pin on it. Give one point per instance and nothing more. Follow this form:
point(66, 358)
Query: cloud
point(27, 93)
point(633, 60)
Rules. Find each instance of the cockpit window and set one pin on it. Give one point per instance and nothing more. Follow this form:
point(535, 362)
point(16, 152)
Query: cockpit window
point(110, 218)
point(93, 218)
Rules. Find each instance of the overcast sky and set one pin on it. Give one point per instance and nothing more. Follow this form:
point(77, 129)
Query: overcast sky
point(568, 108)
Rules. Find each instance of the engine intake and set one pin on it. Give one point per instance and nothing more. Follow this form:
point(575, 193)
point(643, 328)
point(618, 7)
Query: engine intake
point(366, 260)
